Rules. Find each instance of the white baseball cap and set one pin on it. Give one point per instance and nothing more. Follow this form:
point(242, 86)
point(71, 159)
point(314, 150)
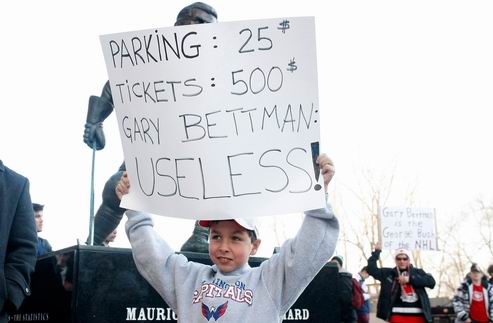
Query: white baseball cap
point(246, 223)
point(404, 252)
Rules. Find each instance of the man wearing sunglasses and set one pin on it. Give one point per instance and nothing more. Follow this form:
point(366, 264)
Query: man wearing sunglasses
point(403, 297)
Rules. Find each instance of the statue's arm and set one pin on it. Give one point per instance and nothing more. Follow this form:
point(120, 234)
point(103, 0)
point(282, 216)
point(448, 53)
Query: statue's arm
point(99, 109)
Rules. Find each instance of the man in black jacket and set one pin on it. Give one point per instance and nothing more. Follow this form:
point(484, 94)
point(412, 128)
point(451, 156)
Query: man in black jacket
point(402, 293)
point(17, 241)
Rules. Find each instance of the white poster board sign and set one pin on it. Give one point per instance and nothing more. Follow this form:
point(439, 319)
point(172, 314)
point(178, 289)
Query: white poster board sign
point(218, 120)
point(410, 228)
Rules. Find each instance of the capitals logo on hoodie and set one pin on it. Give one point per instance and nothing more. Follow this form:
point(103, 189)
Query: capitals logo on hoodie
point(212, 312)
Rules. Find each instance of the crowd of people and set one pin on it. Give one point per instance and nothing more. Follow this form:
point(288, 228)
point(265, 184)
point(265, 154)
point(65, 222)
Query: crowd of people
point(402, 296)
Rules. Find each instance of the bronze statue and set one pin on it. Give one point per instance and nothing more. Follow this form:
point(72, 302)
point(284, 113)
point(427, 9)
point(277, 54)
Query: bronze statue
point(110, 213)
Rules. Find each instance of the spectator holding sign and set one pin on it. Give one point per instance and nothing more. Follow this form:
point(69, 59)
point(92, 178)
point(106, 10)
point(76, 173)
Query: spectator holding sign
point(473, 300)
point(231, 289)
point(110, 213)
point(403, 297)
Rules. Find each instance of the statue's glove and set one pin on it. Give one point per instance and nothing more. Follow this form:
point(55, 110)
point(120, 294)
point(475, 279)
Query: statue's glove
point(94, 134)
point(99, 109)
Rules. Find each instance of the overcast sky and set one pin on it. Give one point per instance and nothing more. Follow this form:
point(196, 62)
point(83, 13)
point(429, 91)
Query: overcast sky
point(403, 84)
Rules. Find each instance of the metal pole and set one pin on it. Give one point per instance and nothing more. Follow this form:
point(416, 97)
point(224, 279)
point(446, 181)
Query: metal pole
point(91, 203)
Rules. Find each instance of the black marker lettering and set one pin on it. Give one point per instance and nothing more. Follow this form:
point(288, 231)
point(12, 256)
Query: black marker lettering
point(168, 176)
point(114, 51)
point(274, 110)
point(196, 47)
point(178, 177)
point(137, 50)
point(289, 114)
point(175, 50)
point(274, 166)
point(203, 185)
point(210, 125)
point(300, 168)
point(197, 124)
point(231, 175)
point(302, 114)
point(125, 54)
point(147, 46)
point(173, 87)
point(140, 182)
point(126, 130)
point(159, 90)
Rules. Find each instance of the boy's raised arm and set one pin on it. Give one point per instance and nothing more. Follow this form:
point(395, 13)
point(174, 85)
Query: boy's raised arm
point(290, 271)
point(154, 258)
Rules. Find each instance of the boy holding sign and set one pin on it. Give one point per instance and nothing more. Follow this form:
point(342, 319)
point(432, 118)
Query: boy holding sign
point(231, 290)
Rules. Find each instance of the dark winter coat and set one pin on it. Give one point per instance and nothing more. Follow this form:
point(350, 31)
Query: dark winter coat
point(345, 290)
point(389, 289)
point(17, 240)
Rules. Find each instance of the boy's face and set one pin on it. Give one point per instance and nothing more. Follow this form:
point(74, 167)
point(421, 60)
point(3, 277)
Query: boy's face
point(230, 245)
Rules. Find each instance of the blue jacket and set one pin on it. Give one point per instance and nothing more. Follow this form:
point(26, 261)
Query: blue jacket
point(42, 247)
point(17, 240)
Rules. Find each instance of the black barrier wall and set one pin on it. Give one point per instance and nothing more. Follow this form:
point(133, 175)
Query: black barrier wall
point(88, 284)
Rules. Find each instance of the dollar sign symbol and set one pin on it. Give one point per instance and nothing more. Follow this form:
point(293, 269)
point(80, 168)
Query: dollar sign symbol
point(292, 66)
point(283, 26)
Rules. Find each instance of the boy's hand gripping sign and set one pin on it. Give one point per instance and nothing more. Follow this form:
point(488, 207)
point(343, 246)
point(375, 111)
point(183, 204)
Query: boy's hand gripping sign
point(218, 120)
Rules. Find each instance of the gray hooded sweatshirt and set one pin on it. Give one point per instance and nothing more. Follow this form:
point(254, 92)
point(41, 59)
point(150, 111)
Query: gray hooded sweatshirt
point(201, 293)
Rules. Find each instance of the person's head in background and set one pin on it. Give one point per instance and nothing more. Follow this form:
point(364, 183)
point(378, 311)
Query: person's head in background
point(196, 13)
point(402, 259)
point(364, 272)
point(490, 271)
point(38, 216)
point(476, 274)
point(338, 260)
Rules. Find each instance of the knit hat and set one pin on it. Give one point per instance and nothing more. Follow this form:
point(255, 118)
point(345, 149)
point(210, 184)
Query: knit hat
point(402, 251)
point(339, 259)
point(246, 223)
